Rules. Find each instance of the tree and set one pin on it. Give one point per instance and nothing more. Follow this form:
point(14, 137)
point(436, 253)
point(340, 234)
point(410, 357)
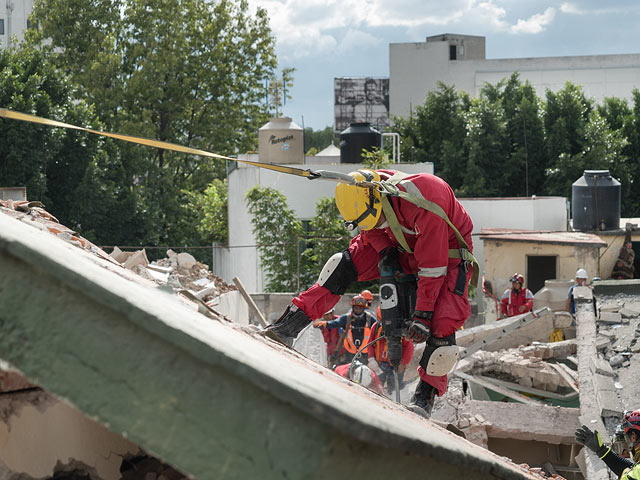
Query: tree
point(278, 234)
point(278, 91)
point(210, 208)
point(488, 169)
point(600, 149)
point(51, 163)
point(566, 115)
point(317, 139)
point(189, 72)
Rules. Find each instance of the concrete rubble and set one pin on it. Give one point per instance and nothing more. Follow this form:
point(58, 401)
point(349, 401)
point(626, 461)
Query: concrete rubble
point(180, 271)
point(517, 396)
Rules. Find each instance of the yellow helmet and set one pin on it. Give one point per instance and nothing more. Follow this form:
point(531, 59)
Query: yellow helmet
point(360, 206)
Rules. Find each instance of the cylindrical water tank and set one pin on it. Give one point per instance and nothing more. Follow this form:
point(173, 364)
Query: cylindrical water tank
point(595, 201)
point(281, 141)
point(354, 139)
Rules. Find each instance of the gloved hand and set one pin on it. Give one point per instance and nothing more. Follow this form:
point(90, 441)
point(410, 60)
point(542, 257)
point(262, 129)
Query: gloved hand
point(320, 324)
point(521, 308)
point(420, 329)
point(591, 440)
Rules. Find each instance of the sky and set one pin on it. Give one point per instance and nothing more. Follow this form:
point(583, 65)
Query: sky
point(323, 39)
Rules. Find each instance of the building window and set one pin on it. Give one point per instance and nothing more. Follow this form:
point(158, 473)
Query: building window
point(28, 24)
point(1, 26)
point(452, 52)
point(539, 269)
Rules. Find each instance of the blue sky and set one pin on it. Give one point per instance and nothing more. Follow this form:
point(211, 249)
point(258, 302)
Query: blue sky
point(323, 39)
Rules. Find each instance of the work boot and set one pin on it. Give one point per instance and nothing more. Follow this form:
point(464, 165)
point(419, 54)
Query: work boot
point(423, 399)
point(289, 325)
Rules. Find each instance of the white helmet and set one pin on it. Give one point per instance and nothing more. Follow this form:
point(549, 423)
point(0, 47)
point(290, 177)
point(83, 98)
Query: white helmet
point(362, 375)
point(581, 273)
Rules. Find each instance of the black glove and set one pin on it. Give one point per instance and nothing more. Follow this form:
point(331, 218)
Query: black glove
point(591, 440)
point(420, 328)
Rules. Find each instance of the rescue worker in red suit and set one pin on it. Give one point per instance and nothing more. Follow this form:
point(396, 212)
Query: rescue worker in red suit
point(378, 354)
point(516, 300)
point(356, 325)
point(330, 336)
point(414, 227)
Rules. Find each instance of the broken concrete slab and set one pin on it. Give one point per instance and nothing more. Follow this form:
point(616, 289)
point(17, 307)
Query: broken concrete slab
point(517, 421)
point(156, 367)
point(601, 367)
point(606, 396)
point(611, 318)
point(628, 313)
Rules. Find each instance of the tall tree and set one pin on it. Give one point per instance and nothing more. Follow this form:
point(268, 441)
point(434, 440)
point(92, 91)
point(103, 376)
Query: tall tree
point(488, 169)
point(190, 72)
point(278, 234)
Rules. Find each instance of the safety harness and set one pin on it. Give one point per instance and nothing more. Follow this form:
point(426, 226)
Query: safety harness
point(413, 195)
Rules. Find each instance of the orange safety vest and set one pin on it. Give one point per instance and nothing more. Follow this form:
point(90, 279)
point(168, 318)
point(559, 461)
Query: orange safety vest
point(382, 354)
point(352, 346)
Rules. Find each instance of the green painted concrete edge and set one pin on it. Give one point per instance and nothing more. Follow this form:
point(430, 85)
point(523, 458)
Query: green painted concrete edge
point(35, 259)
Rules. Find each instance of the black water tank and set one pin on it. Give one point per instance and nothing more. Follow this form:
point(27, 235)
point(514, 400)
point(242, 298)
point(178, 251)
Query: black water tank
point(354, 139)
point(596, 201)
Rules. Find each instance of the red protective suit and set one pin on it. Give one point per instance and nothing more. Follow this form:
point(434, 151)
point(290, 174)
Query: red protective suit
point(430, 238)
point(512, 300)
point(331, 337)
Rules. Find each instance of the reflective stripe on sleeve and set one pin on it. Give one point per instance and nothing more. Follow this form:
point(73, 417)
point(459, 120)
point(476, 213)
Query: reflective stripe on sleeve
point(432, 272)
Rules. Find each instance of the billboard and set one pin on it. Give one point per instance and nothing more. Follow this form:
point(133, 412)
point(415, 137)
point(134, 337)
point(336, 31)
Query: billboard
point(361, 99)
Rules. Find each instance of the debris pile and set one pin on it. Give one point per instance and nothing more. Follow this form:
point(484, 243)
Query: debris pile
point(539, 366)
point(181, 271)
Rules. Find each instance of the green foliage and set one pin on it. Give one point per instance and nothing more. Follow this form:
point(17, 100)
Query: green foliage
point(278, 91)
point(317, 139)
point(210, 207)
point(278, 233)
point(188, 72)
point(375, 159)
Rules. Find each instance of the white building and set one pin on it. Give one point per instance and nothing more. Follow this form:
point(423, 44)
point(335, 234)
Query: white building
point(416, 68)
point(13, 19)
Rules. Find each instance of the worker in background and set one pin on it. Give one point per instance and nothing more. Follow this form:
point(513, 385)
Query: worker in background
point(517, 299)
point(581, 281)
point(355, 326)
point(378, 354)
point(368, 296)
point(331, 336)
point(416, 237)
point(360, 373)
point(624, 468)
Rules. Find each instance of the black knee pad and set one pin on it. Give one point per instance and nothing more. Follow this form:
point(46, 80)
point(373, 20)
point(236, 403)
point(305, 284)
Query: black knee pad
point(338, 273)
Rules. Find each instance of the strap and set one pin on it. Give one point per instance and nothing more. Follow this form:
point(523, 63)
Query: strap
point(394, 224)
point(390, 188)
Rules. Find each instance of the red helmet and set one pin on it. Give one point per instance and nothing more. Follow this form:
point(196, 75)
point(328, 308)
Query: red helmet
point(516, 277)
point(359, 301)
point(631, 421)
point(367, 295)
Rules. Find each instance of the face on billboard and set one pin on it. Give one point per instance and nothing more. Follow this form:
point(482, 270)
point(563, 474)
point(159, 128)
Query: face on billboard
point(361, 100)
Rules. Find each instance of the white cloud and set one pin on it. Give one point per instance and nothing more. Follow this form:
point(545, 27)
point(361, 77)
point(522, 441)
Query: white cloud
point(312, 27)
point(354, 39)
point(571, 9)
point(536, 23)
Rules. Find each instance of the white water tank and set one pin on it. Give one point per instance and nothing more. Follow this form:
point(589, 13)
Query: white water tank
point(554, 295)
point(281, 141)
